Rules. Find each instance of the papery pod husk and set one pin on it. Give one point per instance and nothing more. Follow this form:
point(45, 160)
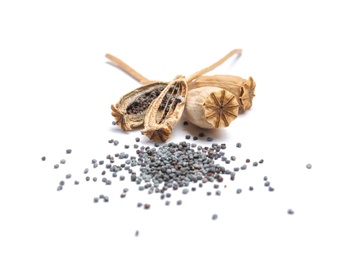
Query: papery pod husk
point(127, 120)
point(158, 123)
point(243, 89)
point(211, 107)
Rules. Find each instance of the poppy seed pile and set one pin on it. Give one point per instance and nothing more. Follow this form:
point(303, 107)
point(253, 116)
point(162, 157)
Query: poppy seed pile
point(165, 167)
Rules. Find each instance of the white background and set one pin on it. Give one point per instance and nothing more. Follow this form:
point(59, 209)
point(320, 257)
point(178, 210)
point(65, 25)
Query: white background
point(56, 92)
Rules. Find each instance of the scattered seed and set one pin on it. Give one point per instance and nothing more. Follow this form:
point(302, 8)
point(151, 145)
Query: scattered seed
point(111, 141)
point(265, 178)
point(309, 166)
point(210, 139)
point(94, 179)
point(126, 146)
point(247, 160)
point(123, 195)
point(187, 136)
point(214, 217)
point(136, 233)
point(62, 161)
point(239, 191)
point(68, 176)
point(167, 203)
point(122, 178)
point(146, 206)
point(251, 188)
point(243, 167)
point(218, 193)
point(76, 182)
point(94, 161)
point(106, 199)
point(201, 134)
point(195, 138)
point(113, 122)
point(116, 142)
point(95, 200)
point(56, 166)
point(208, 193)
point(108, 182)
point(85, 171)
point(59, 188)
point(255, 164)
point(270, 189)
point(267, 183)
point(185, 191)
point(261, 161)
point(238, 145)
point(88, 178)
point(179, 202)
point(233, 158)
point(139, 204)
point(43, 158)
point(61, 183)
point(137, 139)
point(290, 211)
point(68, 151)
point(95, 165)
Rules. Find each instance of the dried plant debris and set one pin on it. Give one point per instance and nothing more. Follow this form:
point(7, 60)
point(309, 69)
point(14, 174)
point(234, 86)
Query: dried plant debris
point(159, 105)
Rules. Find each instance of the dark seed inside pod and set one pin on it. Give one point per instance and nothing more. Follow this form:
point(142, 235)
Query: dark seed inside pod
point(143, 102)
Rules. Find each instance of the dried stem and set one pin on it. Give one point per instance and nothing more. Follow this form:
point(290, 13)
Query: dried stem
point(213, 66)
point(128, 69)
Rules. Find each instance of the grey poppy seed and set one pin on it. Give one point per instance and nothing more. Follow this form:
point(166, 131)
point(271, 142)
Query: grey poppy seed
point(251, 188)
point(126, 146)
point(95, 179)
point(179, 202)
point(238, 145)
point(137, 139)
point(68, 176)
point(56, 166)
point(208, 193)
point(239, 191)
point(167, 203)
point(113, 122)
point(233, 158)
point(59, 188)
point(147, 206)
point(95, 200)
point(243, 167)
point(227, 161)
point(136, 233)
point(214, 217)
point(111, 141)
point(309, 166)
point(290, 211)
point(108, 182)
point(195, 138)
point(94, 161)
point(236, 169)
point(62, 161)
point(101, 162)
point(61, 183)
point(270, 188)
point(114, 174)
point(106, 199)
point(185, 191)
point(43, 158)
point(116, 142)
point(162, 196)
point(103, 173)
point(267, 183)
point(88, 178)
point(68, 151)
point(135, 146)
point(101, 196)
point(247, 160)
point(95, 165)
point(201, 134)
point(261, 161)
point(265, 178)
point(255, 164)
point(104, 179)
point(187, 136)
point(218, 193)
point(76, 182)
point(123, 195)
point(139, 204)
point(210, 139)
point(141, 188)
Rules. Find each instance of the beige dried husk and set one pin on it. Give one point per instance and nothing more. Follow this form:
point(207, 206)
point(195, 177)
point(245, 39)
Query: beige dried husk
point(243, 89)
point(211, 107)
point(166, 109)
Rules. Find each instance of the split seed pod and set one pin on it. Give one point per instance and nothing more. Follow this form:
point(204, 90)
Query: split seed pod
point(211, 107)
point(243, 89)
point(130, 110)
point(166, 110)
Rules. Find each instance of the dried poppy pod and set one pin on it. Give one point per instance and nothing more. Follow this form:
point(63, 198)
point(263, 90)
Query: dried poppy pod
point(211, 107)
point(130, 110)
point(166, 110)
point(243, 89)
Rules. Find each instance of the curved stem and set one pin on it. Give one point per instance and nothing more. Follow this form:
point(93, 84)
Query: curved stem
point(213, 66)
point(129, 70)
